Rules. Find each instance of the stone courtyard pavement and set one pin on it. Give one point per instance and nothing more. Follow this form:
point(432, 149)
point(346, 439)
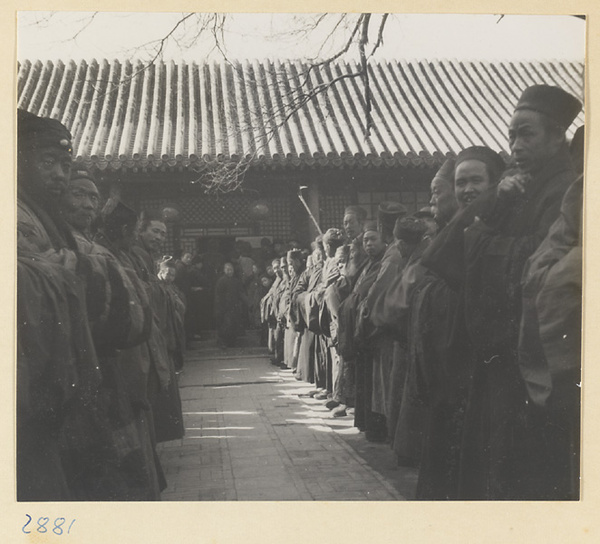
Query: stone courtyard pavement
point(250, 436)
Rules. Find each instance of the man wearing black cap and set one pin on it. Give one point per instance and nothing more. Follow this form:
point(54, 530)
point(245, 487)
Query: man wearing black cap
point(119, 320)
point(443, 357)
point(476, 169)
point(43, 170)
point(502, 455)
point(550, 334)
point(57, 369)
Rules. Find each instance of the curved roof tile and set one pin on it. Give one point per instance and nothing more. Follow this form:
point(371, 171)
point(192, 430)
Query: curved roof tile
point(189, 115)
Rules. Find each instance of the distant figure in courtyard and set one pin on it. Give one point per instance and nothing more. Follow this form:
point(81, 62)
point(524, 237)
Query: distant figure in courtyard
point(230, 304)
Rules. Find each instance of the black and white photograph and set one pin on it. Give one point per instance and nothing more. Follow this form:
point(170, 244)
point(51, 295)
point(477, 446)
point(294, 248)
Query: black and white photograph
point(298, 257)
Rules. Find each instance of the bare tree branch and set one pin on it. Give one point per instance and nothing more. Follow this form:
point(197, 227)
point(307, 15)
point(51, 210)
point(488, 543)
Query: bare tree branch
point(282, 101)
point(345, 49)
point(86, 25)
point(379, 41)
point(342, 18)
point(364, 39)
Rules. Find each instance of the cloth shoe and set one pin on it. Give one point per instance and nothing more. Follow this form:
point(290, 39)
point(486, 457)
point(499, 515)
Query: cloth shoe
point(331, 404)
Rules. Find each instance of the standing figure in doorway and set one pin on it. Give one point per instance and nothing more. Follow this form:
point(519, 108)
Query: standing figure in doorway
point(230, 301)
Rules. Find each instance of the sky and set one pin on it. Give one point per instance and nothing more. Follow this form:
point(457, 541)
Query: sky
point(81, 35)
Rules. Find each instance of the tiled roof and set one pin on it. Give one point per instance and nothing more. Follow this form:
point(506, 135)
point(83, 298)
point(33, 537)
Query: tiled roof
point(188, 115)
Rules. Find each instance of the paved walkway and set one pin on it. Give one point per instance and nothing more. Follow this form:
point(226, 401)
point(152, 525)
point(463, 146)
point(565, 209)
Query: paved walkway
point(249, 436)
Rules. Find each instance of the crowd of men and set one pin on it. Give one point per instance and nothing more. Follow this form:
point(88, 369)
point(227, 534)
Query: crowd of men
point(100, 333)
point(452, 333)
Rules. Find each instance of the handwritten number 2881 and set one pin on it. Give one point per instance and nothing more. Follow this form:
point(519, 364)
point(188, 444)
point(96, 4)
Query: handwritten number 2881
point(42, 526)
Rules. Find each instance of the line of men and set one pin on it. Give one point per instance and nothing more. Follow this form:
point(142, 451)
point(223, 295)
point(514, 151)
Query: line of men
point(455, 333)
point(100, 333)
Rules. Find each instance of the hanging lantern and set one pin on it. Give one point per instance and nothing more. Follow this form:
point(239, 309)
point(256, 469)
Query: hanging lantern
point(170, 213)
point(259, 211)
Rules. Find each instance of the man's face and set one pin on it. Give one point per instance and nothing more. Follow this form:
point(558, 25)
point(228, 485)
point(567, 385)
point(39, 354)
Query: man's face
point(228, 269)
point(187, 258)
point(47, 172)
point(79, 203)
point(352, 226)
point(532, 144)
point(317, 256)
point(154, 236)
point(373, 243)
point(471, 178)
point(443, 202)
point(276, 268)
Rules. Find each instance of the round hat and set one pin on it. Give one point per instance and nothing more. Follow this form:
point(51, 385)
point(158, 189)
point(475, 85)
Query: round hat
point(556, 103)
point(410, 229)
point(34, 131)
point(388, 212)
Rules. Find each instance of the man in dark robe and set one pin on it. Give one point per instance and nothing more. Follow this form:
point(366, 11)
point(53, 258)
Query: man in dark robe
point(268, 308)
point(111, 470)
point(353, 224)
point(550, 337)
point(169, 306)
point(175, 325)
point(162, 382)
point(443, 365)
point(57, 369)
point(501, 449)
point(230, 301)
point(382, 342)
point(295, 261)
point(394, 310)
point(281, 314)
point(352, 347)
point(301, 315)
point(334, 294)
point(332, 239)
point(117, 234)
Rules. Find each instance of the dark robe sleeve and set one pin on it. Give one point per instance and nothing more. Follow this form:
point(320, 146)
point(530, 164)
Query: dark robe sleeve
point(494, 266)
point(550, 333)
point(445, 254)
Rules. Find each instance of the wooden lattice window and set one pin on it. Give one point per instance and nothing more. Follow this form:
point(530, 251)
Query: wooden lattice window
point(277, 224)
point(332, 210)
